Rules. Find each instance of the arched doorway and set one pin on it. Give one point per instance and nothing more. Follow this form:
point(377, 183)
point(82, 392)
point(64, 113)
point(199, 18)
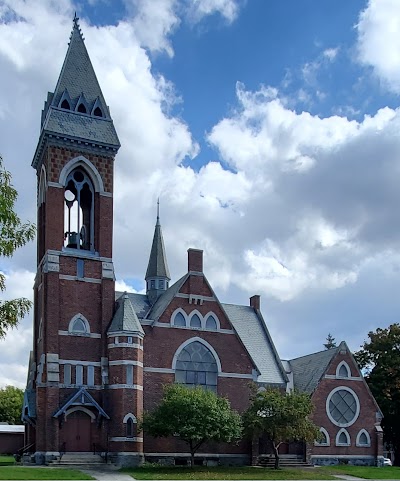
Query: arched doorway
point(76, 432)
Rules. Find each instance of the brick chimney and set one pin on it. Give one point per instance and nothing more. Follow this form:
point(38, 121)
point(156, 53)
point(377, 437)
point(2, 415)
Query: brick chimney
point(255, 302)
point(195, 260)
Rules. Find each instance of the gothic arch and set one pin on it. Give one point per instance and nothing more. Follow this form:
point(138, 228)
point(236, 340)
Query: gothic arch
point(88, 167)
point(190, 317)
point(42, 186)
point(175, 313)
point(202, 341)
point(361, 436)
point(327, 441)
point(129, 416)
point(211, 314)
point(340, 436)
point(72, 322)
point(343, 370)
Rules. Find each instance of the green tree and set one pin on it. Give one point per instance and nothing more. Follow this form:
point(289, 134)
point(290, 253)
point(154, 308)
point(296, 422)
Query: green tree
point(11, 401)
point(195, 416)
point(379, 358)
point(13, 234)
point(281, 418)
point(330, 342)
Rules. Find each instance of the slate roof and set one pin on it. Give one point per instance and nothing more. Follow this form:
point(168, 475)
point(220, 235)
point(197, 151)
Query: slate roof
point(77, 80)
point(308, 370)
point(255, 336)
point(157, 266)
point(125, 317)
point(163, 301)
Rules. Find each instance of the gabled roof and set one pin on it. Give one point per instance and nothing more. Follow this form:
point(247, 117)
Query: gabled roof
point(308, 370)
point(253, 332)
point(81, 398)
point(77, 81)
point(157, 266)
point(125, 318)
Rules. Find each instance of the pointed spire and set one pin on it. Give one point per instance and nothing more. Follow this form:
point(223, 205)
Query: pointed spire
point(157, 267)
point(77, 81)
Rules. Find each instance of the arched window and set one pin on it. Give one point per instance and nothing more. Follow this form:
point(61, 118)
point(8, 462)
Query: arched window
point(211, 323)
point(343, 370)
point(363, 439)
point(97, 112)
point(195, 321)
point(79, 209)
point(324, 438)
point(81, 108)
point(196, 366)
point(79, 325)
point(130, 422)
point(179, 320)
point(342, 438)
point(65, 105)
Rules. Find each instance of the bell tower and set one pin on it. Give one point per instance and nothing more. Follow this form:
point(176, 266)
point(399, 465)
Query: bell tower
point(74, 286)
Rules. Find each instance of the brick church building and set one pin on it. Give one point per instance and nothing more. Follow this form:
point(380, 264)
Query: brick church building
point(101, 357)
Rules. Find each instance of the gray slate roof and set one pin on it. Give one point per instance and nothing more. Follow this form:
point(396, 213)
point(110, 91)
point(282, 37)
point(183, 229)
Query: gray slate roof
point(77, 77)
point(163, 301)
point(308, 370)
point(255, 336)
point(125, 318)
point(157, 266)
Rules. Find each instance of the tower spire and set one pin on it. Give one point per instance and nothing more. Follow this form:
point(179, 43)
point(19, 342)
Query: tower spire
point(157, 274)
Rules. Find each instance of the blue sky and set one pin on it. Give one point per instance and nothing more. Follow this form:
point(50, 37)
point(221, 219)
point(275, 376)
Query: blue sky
point(270, 130)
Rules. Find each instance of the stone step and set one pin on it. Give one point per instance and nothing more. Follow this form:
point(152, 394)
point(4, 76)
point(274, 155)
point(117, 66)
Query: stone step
point(79, 459)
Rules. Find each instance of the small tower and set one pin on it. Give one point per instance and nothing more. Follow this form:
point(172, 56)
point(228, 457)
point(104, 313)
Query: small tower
point(157, 274)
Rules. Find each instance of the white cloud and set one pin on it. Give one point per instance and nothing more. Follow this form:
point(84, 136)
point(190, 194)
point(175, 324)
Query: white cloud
point(378, 42)
point(228, 9)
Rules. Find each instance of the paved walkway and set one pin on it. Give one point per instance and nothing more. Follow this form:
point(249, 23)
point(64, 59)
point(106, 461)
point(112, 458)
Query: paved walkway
point(105, 472)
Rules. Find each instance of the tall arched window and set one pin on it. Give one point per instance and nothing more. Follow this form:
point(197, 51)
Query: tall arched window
point(196, 366)
point(79, 210)
point(179, 320)
point(195, 321)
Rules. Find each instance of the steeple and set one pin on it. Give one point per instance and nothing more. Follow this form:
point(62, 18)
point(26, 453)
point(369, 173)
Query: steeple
point(77, 110)
point(157, 274)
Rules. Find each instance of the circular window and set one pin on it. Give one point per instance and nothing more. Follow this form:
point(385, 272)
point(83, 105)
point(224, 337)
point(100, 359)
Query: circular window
point(342, 406)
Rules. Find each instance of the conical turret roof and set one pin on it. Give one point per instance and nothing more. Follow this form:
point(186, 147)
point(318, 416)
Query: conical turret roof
point(125, 318)
point(157, 266)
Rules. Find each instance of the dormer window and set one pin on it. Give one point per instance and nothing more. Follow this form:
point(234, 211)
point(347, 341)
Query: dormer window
point(81, 108)
point(65, 105)
point(97, 112)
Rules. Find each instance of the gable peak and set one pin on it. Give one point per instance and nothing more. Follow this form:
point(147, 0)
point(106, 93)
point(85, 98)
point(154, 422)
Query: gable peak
point(76, 28)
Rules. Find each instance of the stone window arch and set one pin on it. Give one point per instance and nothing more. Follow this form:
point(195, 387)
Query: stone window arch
point(363, 439)
point(211, 321)
point(195, 319)
point(79, 325)
point(325, 441)
point(130, 422)
point(196, 365)
point(343, 370)
point(179, 318)
point(342, 438)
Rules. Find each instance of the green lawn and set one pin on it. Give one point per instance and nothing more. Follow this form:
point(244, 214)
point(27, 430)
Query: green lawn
point(246, 472)
point(366, 472)
point(6, 460)
point(21, 472)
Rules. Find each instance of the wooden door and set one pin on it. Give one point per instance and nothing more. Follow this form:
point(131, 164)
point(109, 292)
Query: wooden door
point(76, 432)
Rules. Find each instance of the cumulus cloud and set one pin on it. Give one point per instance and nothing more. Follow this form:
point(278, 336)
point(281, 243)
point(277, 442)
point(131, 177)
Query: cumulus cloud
point(378, 42)
point(228, 9)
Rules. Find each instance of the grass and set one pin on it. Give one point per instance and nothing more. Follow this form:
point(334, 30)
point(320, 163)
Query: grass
point(6, 460)
point(366, 472)
point(20, 472)
point(203, 472)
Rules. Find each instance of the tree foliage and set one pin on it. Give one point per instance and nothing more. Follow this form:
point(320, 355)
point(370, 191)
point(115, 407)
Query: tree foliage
point(13, 234)
point(281, 418)
point(379, 357)
point(330, 342)
point(195, 416)
point(11, 401)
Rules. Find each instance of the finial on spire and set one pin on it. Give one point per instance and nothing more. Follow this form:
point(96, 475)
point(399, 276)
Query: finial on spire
point(158, 211)
point(76, 27)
